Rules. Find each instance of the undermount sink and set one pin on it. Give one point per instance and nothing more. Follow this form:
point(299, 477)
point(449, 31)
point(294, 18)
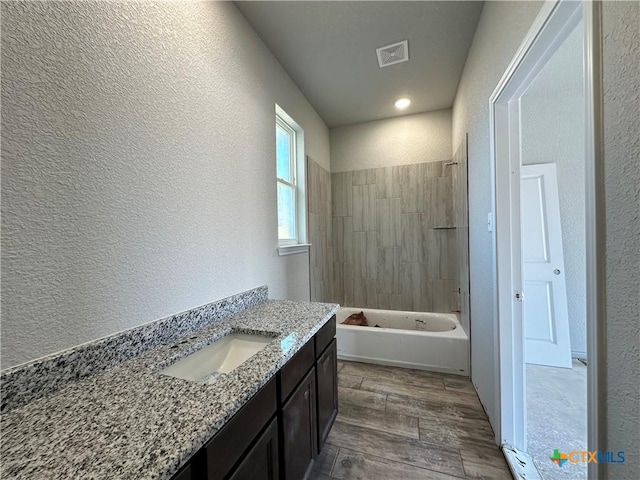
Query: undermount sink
point(221, 357)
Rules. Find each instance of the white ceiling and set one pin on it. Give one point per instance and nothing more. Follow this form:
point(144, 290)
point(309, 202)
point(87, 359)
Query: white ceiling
point(328, 48)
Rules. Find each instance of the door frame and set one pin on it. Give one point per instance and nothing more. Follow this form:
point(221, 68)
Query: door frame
point(550, 28)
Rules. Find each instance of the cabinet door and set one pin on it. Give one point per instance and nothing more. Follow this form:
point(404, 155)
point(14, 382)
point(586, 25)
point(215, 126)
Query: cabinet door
point(229, 445)
point(261, 462)
point(184, 474)
point(299, 429)
point(327, 394)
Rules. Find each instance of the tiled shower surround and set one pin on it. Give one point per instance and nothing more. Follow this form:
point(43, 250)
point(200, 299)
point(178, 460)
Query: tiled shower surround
point(394, 245)
point(320, 254)
point(460, 185)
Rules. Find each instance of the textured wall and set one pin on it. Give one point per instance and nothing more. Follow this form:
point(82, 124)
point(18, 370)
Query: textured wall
point(502, 28)
point(621, 48)
point(552, 119)
point(137, 167)
point(321, 250)
point(391, 245)
point(500, 32)
point(418, 138)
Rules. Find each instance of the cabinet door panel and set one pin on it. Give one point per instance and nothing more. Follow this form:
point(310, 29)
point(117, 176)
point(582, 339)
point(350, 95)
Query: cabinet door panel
point(230, 443)
point(184, 474)
point(261, 462)
point(327, 391)
point(299, 429)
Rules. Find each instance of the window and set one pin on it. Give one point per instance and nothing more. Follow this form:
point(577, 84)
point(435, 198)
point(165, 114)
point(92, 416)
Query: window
point(290, 182)
point(286, 179)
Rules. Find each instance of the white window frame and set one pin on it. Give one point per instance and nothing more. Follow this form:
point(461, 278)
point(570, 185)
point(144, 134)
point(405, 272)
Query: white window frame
point(298, 244)
point(293, 183)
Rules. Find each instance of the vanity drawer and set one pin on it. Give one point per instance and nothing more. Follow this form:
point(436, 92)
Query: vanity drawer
point(296, 369)
point(230, 443)
point(325, 335)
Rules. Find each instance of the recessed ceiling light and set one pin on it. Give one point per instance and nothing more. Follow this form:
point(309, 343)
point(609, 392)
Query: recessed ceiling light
point(402, 103)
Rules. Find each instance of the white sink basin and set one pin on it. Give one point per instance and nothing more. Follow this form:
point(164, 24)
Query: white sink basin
point(222, 356)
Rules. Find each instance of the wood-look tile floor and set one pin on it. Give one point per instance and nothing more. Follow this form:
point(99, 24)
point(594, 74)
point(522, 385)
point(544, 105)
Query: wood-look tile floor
point(395, 423)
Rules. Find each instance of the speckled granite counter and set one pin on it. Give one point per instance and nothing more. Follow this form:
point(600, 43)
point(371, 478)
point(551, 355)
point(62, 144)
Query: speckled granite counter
point(131, 422)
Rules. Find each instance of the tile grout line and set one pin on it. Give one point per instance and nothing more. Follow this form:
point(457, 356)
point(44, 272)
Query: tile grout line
point(464, 472)
point(430, 444)
point(335, 459)
point(388, 461)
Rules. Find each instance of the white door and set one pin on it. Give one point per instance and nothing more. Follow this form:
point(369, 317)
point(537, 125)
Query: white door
point(546, 320)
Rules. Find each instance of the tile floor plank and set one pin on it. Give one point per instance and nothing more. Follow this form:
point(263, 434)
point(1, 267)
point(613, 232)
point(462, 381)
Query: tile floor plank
point(352, 465)
point(379, 420)
point(455, 432)
point(408, 376)
point(477, 471)
point(350, 396)
point(462, 384)
point(402, 389)
point(397, 448)
point(483, 454)
point(403, 424)
point(415, 408)
point(319, 476)
point(326, 459)
point(349, 381)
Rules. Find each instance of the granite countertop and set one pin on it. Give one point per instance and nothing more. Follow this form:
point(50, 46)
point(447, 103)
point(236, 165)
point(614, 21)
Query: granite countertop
point(131, 422)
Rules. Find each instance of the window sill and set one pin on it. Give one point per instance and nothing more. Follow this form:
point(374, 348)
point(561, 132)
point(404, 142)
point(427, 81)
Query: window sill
point(293, 249)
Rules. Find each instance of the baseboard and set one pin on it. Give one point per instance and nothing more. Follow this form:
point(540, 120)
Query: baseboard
point(394, 363)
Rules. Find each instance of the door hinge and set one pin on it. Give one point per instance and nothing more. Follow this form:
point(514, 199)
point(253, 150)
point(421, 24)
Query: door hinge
point(519, 296)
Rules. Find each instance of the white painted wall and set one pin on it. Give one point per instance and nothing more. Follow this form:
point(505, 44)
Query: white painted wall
point(410, 139)
point(138, 170)
point(502, 27)
point(621, 72)
point(552, 119)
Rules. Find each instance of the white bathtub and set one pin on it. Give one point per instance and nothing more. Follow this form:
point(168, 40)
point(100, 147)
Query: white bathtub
point(424, 341)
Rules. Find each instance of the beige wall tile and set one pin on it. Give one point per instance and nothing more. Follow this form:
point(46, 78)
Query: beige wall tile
point(384, 240)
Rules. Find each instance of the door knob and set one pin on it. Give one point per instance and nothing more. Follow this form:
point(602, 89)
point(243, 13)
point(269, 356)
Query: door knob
point(556, 272)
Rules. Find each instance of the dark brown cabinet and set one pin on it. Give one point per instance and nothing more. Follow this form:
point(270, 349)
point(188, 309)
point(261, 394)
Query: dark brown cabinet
point(280, 431)
point(184, 474)
point(327, 391)
point(229, 445)
point(261, 463)
point(299, 429)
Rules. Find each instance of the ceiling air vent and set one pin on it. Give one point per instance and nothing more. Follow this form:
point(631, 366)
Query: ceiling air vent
point(392, 54)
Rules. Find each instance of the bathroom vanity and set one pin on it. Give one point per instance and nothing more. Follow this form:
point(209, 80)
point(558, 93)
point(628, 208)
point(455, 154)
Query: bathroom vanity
point(122, 407)
point(279, 432)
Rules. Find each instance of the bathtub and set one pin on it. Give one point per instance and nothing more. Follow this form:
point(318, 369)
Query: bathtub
point(424, 341)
